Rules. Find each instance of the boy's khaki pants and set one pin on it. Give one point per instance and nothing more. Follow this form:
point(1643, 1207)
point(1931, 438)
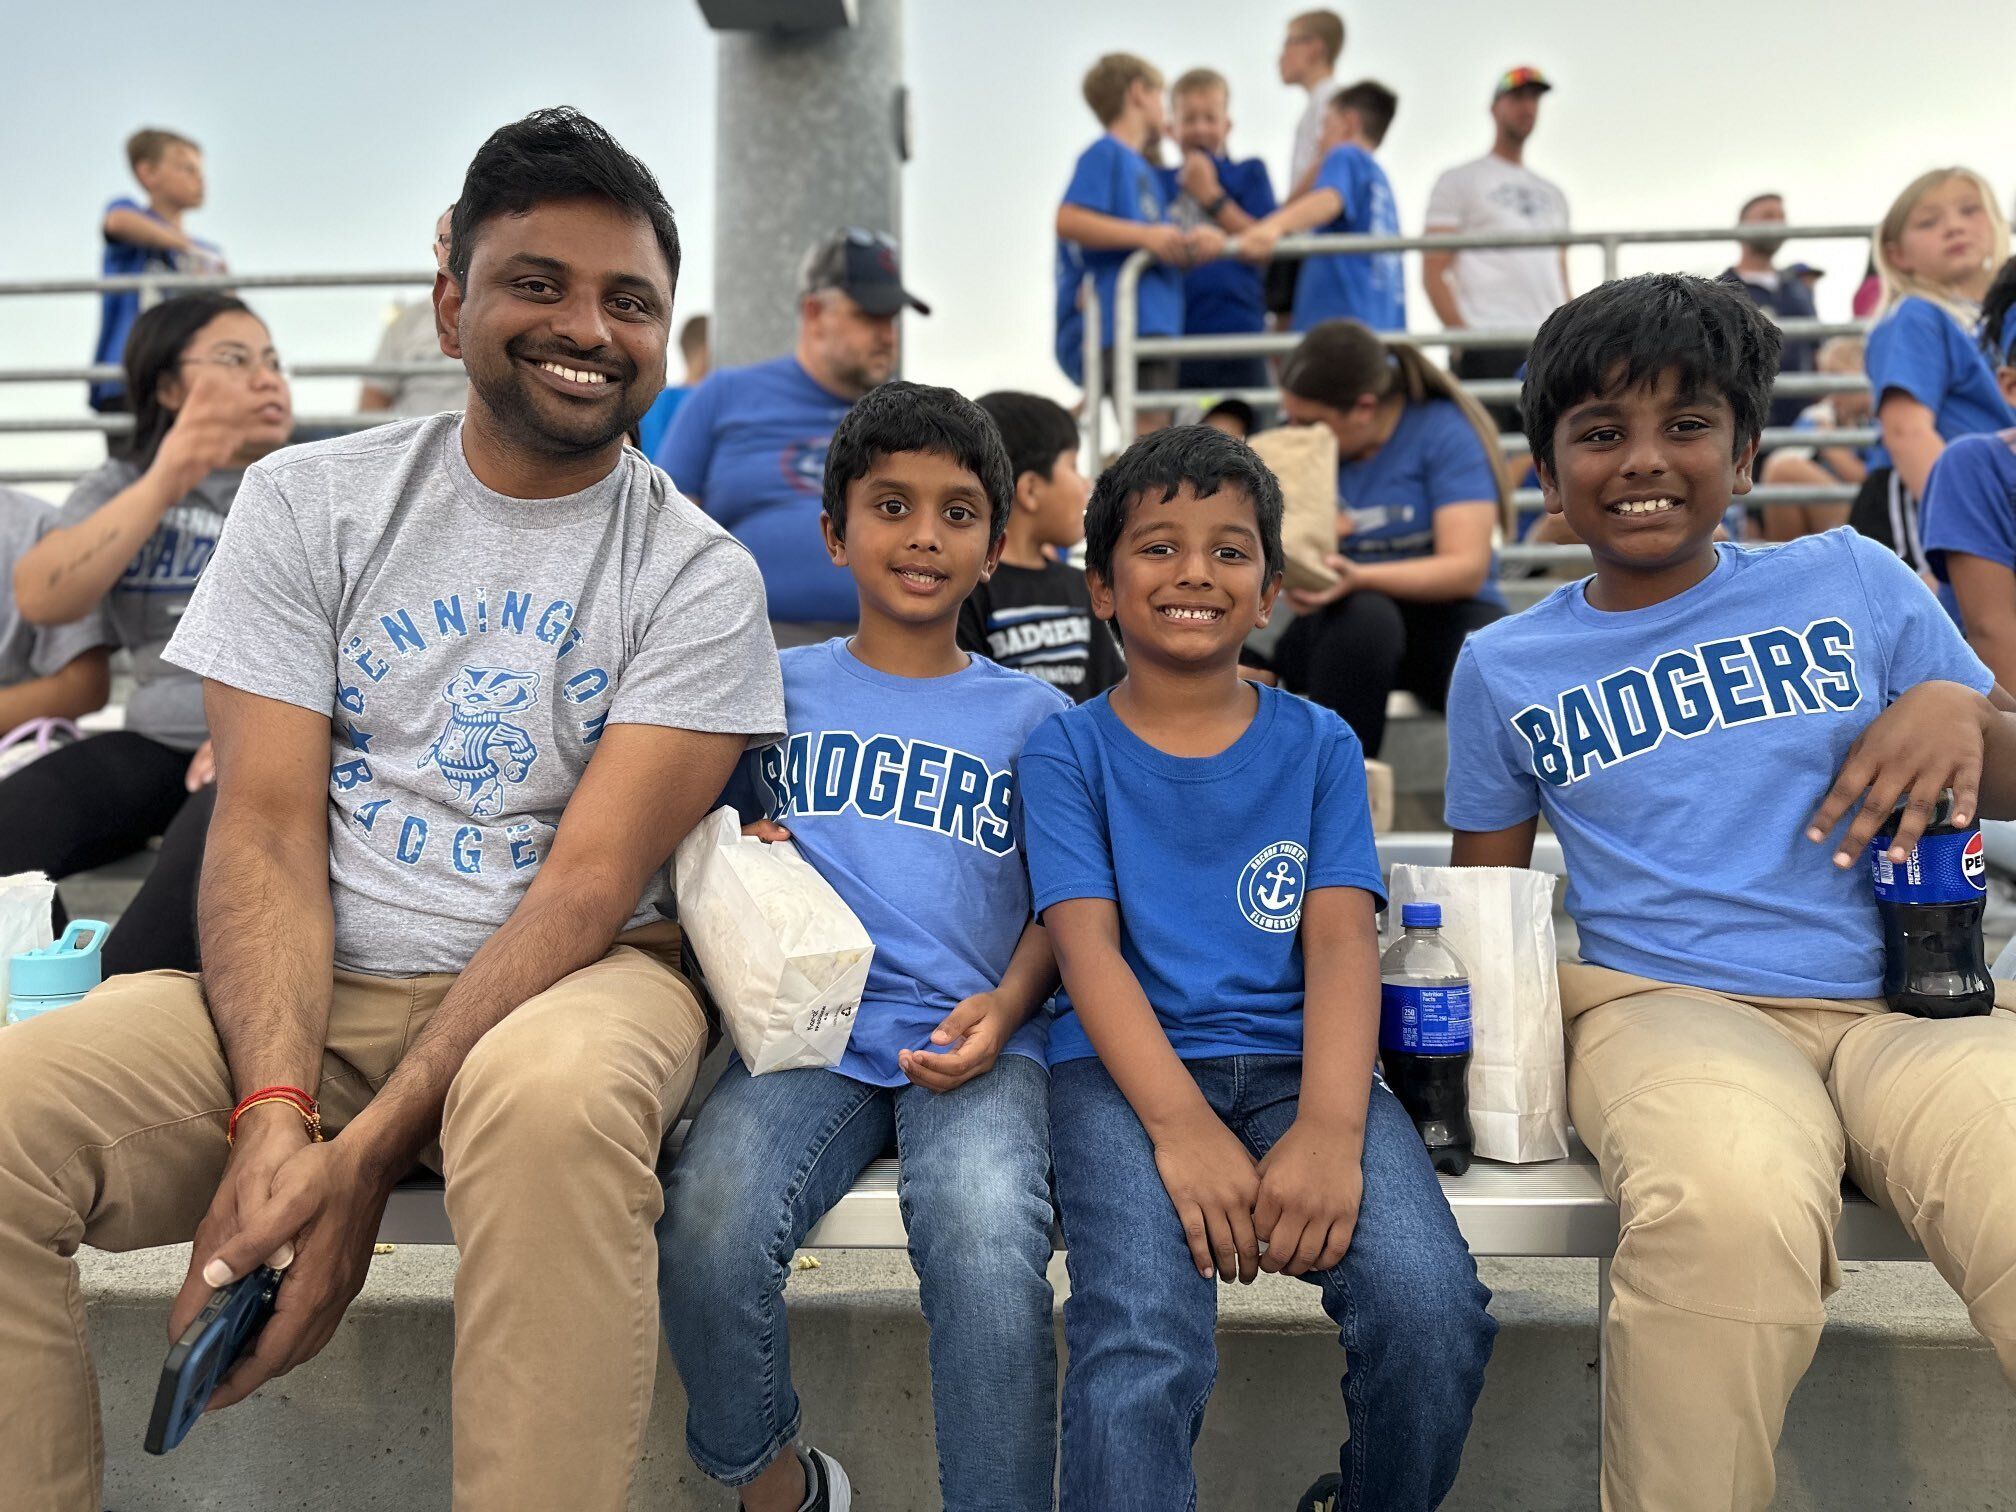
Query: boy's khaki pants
point(1722, 1126)
point(112, 1116)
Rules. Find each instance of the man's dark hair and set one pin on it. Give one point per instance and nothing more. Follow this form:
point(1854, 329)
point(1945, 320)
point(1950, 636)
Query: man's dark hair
point(1623, 334)
point(915, 417)
point(1236, 409)
point(1156, 467)
point(1374, 104)
point(1034, 429)
point(1754, 201)
point(552, 155)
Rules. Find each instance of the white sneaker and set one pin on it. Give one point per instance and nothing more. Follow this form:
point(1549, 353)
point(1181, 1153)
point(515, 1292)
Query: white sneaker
point(827, 1488)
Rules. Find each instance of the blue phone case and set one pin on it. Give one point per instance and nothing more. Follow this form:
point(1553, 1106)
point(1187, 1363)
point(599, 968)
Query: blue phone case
point(205, 1353)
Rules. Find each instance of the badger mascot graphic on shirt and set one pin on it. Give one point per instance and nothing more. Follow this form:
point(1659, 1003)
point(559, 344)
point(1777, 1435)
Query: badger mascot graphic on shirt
point(478, 750)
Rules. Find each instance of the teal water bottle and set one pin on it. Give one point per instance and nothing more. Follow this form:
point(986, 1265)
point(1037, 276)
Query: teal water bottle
point(56, 975)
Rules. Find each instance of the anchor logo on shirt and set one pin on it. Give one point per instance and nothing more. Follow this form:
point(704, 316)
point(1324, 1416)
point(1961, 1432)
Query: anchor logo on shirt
point(1271, 887)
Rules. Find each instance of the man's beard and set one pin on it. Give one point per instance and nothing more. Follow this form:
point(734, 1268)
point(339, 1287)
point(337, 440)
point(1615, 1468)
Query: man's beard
point(1764, 246)
point(506, 391)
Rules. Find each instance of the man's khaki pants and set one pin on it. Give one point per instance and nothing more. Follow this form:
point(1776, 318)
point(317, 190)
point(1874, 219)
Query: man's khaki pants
point(112, 1117)
point(1722, 1125)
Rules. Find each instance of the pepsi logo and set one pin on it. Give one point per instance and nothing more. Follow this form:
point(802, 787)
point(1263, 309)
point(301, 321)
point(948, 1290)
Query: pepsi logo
point(1974, 863)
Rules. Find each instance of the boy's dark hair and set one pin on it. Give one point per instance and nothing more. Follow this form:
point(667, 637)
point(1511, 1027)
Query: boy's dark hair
point(1996, 306)
point(551, 155)
point(1157, 466)
point(148, 144)
point(1247, 416)
point(1623, 334)
point(154, 350)
point(915, 417)
point(1374, 105)
point(1034, 429)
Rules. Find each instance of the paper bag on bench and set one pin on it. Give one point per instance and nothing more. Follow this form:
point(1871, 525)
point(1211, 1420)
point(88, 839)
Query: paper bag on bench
point(783, 957)
point(1500, 921)
point(1304, 458)
point(25, 900)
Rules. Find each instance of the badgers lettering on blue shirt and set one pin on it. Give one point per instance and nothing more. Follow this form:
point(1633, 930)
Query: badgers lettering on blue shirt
point(917, 783)
point(1719, 684)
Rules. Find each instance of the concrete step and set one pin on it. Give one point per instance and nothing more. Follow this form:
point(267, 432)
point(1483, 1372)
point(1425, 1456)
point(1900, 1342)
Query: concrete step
point(1904, 1407)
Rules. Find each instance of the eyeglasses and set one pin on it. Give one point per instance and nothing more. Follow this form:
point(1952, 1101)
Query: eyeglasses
point(238, 362)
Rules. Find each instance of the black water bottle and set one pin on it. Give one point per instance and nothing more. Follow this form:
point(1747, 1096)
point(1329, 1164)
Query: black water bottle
point(1424, 1034)
point(1933, 962)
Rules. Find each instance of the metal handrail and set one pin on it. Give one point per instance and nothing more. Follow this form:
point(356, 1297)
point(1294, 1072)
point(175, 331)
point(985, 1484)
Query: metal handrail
point(1127, 340)
point(1275, 343)
point(149, 283)
point(101, 372)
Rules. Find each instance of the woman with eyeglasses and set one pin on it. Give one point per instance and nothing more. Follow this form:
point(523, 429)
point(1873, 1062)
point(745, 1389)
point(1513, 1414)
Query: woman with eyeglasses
point(209, 398)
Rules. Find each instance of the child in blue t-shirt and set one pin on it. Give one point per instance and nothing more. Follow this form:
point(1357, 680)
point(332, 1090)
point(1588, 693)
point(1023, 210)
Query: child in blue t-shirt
point(1115, 205)
point(1694, 722)
point(148, 239)
point(1937, 250)
point(1969, 527)
point(1201, 853)
point(897, 781)
point(1350, 195)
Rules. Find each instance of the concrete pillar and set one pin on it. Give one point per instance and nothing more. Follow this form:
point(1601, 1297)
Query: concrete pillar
point(808, 138)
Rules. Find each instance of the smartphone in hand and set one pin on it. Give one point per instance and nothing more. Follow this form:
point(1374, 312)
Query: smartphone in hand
point(221, 1335)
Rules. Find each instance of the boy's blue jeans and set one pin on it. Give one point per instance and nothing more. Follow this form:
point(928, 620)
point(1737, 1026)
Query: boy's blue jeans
point(1140, 1325)
point(767, 1156)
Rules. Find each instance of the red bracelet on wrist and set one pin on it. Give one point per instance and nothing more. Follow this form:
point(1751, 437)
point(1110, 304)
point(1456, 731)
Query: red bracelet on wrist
point(294, 1097)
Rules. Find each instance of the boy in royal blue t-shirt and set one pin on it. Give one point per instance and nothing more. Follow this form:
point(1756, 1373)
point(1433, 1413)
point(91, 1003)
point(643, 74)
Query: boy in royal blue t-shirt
point(1694, 721)
point(1350, 195)
point(1115, 205)
point(897, 781)
point(1201, 853)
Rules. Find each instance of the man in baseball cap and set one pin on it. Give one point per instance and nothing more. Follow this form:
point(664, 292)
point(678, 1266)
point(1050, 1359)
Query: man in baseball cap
point(749, 444)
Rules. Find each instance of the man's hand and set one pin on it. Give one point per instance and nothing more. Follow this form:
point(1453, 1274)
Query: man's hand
point(979, 1027)
point(1207, 244)
point(1934, 737)
point(268, 1137)
point(1167, 244)
point(1256, 242)
point(1198, 178)
point(1214, 1184)
point(1310, 1186)
point(217, 415)
point(1306, 600)
point(328, 1206)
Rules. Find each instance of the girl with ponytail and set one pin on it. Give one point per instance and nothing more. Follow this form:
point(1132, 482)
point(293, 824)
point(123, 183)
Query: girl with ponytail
point(1420, 490)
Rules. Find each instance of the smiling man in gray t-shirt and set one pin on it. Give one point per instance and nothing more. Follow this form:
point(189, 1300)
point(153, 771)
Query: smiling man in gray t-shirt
point(470, 680)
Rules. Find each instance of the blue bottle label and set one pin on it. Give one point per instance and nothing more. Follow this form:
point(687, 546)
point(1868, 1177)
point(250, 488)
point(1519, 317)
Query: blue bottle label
point(1425, 1020)
point(1942, 869)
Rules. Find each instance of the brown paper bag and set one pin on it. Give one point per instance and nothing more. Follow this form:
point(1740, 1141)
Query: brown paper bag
point(1304, 458)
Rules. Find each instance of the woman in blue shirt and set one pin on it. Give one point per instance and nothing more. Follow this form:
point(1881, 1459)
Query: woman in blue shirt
point(1420, 492)
point(1936, 250)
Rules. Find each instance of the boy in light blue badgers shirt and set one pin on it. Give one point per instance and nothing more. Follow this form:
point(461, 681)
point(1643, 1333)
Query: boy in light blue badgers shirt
point(1201, 854)
point(1695, 721)
point(898, 783)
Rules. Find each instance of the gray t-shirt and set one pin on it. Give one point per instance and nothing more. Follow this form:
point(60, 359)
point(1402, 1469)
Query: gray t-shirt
point(411, 338)
point(30, 651)
point(468, 649)
point(147, 601)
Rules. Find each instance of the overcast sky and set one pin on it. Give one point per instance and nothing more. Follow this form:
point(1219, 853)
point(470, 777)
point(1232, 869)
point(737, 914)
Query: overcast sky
point(333, 135)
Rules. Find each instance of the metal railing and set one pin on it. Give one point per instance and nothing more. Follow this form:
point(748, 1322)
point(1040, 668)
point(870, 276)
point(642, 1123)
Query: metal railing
point(1129, 347)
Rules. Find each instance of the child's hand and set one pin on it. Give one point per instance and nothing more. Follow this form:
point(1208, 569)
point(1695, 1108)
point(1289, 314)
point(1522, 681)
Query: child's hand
point(769, 831)
point(1256, 242)
point(1207, 244)
point(979, 1027)
point(1168, 244)
point(1213, 1183)
point(1199, 177)
point(1310, 1187)
point(1934, 737)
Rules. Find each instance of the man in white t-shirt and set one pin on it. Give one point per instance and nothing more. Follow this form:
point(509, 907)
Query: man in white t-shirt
point(411, 337)
point(1309, 55)
point(1512, 286)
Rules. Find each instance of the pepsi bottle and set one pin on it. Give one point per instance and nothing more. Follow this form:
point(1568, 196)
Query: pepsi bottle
point(1424, 1034)
point(1933, 962)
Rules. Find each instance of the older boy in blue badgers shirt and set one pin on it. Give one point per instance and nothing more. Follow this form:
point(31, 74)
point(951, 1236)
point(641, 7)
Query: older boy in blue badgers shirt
point(1224, 296)
point(1201, 853)
point(1695, 721)
point(898, 783)
point(1350, 195)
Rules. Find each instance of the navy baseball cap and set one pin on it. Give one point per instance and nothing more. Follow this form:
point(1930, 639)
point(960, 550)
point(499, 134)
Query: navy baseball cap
point(862, 265)
point(1806, 270)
